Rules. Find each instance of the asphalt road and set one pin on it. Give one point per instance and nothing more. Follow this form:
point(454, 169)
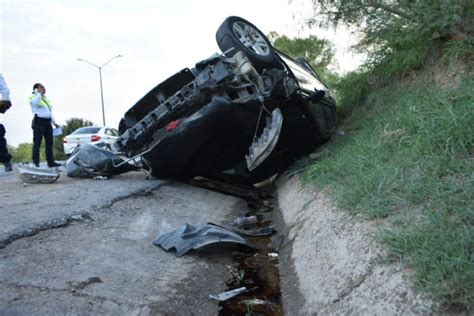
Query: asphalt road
point(84, 246)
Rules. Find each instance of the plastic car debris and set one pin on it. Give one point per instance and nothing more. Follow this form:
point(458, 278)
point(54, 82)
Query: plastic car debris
point(276, 242)
point(100, 178)
point(229, 294)
point(187, 237)
point(254, 301)
point(90, 161)
point(244, 220)
point(29, 174)
point(261, 147)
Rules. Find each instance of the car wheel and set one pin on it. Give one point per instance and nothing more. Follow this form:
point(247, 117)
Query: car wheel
point(236, 34)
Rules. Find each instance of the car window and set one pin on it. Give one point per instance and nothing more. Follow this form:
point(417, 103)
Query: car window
point(115, 132)
point(109, 132)
point(86, 130)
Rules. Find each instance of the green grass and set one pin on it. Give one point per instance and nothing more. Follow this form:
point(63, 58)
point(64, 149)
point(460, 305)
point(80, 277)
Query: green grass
point(407, 156)
point(456, 50)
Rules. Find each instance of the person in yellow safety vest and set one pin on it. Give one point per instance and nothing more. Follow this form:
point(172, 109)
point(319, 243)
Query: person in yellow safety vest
point(41, 125)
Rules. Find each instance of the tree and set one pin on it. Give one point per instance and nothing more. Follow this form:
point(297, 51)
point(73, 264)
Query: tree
point(399, 33)
point(22, 153)
point(445, 18)
point(71, 125)
point(318, 52)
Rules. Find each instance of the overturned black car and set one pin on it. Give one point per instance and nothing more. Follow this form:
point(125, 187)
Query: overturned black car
point(240, 116)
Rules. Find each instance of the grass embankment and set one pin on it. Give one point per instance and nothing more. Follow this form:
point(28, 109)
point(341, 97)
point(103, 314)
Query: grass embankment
point(407, 156)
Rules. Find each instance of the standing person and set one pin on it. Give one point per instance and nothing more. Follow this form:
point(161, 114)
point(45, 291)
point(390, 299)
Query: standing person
point(5, 104)
point(41, 125)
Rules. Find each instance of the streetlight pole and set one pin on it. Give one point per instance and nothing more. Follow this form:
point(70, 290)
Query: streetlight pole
point(100, 78)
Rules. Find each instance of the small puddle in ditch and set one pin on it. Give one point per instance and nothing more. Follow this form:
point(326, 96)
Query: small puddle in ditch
point(257, 271)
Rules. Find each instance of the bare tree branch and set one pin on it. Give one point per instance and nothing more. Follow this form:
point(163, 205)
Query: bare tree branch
point(390, 9)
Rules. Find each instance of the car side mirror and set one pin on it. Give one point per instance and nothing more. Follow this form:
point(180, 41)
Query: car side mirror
point(315, 96)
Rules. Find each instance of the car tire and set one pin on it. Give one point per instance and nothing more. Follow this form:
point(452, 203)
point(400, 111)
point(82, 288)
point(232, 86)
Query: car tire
point(236, 34)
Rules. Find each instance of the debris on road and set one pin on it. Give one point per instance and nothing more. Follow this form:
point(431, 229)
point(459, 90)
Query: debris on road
point(276, 242)
point(187, 237)
point(244, 220)
point(100, 178)
point(229, 294)
point(254, 302)
point(29, 174)
point(90, 161)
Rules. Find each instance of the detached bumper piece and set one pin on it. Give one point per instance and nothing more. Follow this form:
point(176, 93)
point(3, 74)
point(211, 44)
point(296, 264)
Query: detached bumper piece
point(36, 175)
point(187, 237)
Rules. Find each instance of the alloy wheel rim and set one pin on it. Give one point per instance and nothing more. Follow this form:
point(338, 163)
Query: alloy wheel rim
point(251, 38)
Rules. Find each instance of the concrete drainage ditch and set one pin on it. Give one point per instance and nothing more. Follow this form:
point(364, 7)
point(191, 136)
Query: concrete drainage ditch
point(256, 271)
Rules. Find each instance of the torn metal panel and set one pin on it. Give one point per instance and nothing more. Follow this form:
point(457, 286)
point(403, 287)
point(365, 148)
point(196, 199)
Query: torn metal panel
point(187, 237)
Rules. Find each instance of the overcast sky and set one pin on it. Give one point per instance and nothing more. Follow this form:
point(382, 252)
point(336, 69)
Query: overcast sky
point(42, 40)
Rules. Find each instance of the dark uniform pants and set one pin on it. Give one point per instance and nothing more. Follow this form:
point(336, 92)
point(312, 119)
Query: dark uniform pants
point(5, 157)
point(42, 128)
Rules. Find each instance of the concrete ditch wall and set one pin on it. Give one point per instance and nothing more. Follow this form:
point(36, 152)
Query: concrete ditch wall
point(329, 264)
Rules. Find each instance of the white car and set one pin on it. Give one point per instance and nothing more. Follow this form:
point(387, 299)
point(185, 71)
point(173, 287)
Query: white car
point(96, 135)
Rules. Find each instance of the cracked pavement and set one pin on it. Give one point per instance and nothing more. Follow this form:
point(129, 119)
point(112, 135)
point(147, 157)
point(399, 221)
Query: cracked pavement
point(83, 246)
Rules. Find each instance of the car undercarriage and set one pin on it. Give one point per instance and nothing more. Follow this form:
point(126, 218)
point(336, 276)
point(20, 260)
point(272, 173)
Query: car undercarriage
point(239, 116)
